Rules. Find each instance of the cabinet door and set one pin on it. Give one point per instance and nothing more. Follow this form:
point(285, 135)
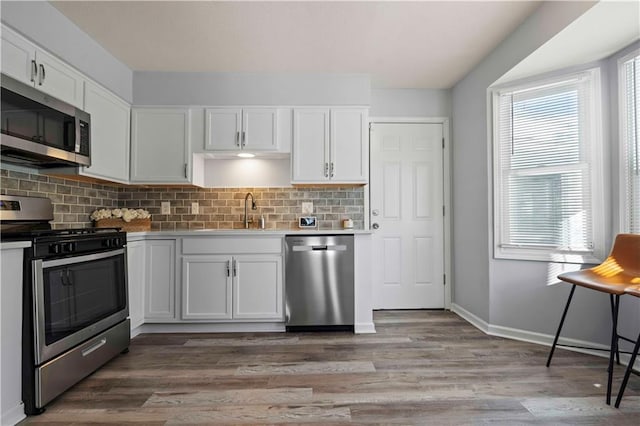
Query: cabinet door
point(206, 287)
point(259, 129)
point(160, 291)
point(223, 129)
point(136, 282)
point(310, 151)
point(59, 80)
point(349, 146)
point(110, 132)
point(160, 145)
point(18, 56)
point(257, 287)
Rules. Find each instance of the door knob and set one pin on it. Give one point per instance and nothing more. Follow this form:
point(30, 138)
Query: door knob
point(375, 226)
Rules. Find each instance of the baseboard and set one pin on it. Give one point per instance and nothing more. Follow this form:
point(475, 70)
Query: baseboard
point(13, 415)
point(364, 328)
point(536, 338)
point(240, 327)
point(472, 319)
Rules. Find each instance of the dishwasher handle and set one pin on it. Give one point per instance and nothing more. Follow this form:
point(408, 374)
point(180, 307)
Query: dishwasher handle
point(338, 247)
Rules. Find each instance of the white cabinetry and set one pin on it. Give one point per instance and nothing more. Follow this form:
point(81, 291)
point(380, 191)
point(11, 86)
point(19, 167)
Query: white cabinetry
point(110, 130)
point(257, 287)
point(206, 287)
point(247, 129)
point(26, 62)
point(232, 279)
point(160, 280)
point(136, 277)
point(11, 407)
point(160, 145)
point(330, 145)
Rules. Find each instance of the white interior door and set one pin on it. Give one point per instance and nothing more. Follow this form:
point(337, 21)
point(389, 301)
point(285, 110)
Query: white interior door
point(407, 207)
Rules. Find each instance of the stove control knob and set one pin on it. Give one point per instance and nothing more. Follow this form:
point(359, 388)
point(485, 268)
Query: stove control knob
point(69, 247)
point(117, 242)
point(54, 248)
point(107, 243)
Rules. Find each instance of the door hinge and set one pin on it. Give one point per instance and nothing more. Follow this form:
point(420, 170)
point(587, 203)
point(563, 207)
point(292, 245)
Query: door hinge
point(443, 211)
point(442, 143)
point(444, 279)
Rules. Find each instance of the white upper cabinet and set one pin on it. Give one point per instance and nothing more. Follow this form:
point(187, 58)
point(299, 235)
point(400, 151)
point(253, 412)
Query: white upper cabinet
point(330, 145)
point(110, 130)
point(241, 129)
point(26, 62)
point(160, 145)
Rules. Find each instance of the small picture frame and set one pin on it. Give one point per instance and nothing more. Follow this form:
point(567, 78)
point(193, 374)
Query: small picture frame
point(307, 222)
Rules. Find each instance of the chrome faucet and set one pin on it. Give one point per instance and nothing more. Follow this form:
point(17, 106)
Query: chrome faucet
point(247, 221)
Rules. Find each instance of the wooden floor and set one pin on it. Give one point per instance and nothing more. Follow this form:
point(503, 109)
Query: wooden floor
point(422, 367)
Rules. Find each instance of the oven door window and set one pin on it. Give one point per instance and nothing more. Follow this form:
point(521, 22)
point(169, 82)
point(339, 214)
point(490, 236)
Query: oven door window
point(80, 294)
point(27, 119)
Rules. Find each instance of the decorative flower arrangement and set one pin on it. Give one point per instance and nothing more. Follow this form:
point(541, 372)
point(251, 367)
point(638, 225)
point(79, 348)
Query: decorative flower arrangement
point(124, 213)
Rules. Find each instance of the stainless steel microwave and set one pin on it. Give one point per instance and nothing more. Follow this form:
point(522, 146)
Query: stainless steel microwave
point(41, 131)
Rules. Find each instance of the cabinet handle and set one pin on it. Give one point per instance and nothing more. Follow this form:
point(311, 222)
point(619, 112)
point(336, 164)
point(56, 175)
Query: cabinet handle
point(237, 138)
point(326, 169)
point(41, 76)
point(228, 269)
point(34, 71)
point(185, 171)
point(244, 139)
point(331, 170)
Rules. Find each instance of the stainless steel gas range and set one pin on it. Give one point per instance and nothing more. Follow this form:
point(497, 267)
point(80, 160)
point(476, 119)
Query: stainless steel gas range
point(75, 305)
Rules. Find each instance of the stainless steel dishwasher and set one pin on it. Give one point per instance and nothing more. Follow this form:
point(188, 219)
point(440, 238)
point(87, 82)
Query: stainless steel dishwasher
point(319, 283)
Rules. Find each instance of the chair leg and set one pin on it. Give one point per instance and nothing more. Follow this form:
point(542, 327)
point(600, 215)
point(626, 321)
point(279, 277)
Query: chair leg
point(614, 344)
point(617, 343)
point(628, 372)
point(564, 315)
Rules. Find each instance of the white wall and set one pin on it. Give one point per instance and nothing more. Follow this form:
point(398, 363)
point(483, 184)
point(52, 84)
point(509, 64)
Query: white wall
point(410, 103)
point(50, 29)
point(523, 295)
point(181, 88)
point(472, 227)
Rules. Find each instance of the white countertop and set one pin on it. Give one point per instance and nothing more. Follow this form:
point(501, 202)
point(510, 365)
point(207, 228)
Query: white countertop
point(241, 232)
point(11, 245)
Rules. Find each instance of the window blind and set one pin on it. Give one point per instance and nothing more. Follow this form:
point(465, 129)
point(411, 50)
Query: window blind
point(630, 115)
point(544, 167)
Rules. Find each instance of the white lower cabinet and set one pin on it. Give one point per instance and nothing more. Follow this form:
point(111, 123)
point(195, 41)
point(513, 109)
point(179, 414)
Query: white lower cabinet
point(160, 280)
point(257, 287)
point(206, 287)
point(227, 278)
point(136, 275)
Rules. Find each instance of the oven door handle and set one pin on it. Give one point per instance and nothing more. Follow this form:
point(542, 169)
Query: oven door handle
point(80, 259)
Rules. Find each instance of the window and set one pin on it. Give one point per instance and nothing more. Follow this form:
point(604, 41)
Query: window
point(547, 170)
point(630, 168)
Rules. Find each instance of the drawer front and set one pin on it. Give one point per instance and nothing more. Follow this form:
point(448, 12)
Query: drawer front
point(231, 245)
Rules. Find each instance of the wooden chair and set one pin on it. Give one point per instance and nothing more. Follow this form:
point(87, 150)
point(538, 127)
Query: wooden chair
point(613, 276)
point(633, 291)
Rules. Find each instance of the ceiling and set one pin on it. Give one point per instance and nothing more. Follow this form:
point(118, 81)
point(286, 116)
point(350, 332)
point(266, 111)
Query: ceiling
point(598, 33)
point(399, 44)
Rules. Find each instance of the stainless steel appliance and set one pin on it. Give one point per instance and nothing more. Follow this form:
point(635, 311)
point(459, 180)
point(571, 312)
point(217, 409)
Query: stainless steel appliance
point(74, 299)
point(319, 282)
point(41, 131)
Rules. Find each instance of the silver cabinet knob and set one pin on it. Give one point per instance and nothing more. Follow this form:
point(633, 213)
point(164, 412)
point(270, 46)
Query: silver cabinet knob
point(375, 226)
point(375, 212)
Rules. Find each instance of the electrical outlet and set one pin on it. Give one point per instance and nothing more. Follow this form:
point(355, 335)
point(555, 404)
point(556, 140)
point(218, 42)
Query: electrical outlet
point(195, 208)
point(307, 207)
point(165, 207)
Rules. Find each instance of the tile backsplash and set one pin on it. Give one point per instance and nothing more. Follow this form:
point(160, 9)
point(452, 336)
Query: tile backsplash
point(224, 208)
point(73, 201)
point(219, 208)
